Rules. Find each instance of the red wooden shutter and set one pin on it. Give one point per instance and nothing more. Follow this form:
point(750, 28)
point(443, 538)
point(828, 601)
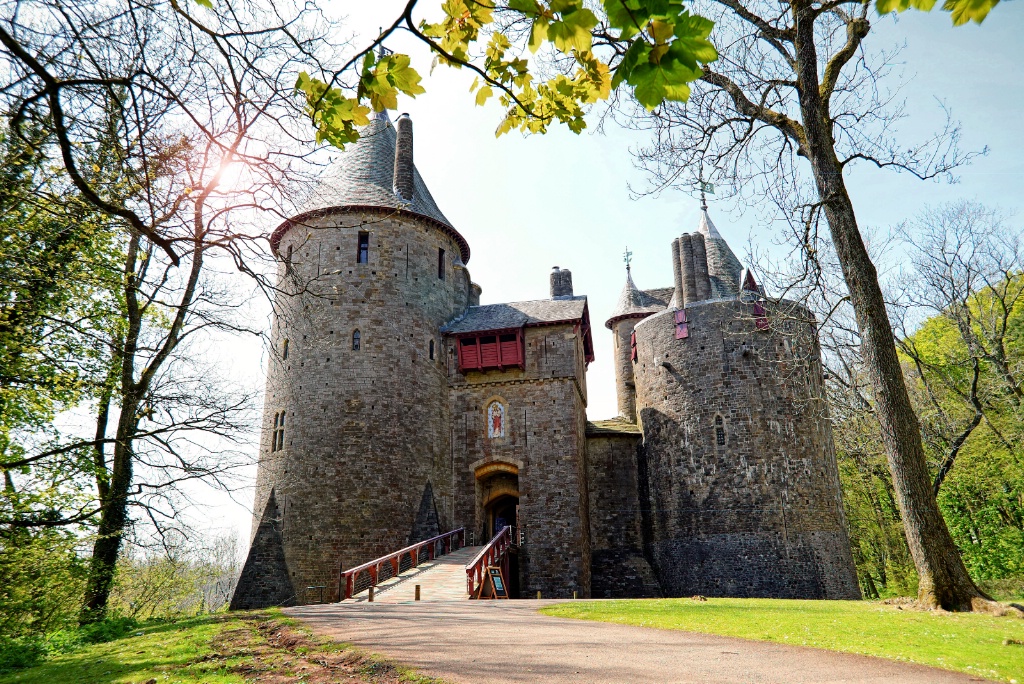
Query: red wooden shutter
point(469, 357)
point(489, 352)
point(682, 327)
point(632, 346)
point(509, 350)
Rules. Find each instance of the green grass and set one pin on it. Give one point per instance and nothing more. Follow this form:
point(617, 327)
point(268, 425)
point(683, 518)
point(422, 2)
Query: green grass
point(218, 649)
point(965, 642)
point(173, 649)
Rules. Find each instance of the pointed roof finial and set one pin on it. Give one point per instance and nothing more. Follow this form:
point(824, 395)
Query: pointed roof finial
point(705, 188)
point(628, 258)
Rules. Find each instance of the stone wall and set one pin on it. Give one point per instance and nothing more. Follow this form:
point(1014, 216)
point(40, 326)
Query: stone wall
point(366, 433)
point(618, 566)
point(750, 506)
point(546, 415)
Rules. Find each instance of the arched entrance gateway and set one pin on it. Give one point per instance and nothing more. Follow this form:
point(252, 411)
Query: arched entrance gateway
point(497, 485)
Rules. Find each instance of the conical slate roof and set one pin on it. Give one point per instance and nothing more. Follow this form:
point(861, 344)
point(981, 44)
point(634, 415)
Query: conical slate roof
point(363, 177)
point(723, 266)
point(635, 303)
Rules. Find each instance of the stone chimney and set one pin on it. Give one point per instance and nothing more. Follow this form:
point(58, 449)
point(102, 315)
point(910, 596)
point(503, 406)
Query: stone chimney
point(561, 283)
point(403, 158)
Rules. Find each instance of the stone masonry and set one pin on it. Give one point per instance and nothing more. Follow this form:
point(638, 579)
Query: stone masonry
point(399, 407)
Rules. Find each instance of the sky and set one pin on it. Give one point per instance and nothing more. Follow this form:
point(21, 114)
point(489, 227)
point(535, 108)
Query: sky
point(528, 204)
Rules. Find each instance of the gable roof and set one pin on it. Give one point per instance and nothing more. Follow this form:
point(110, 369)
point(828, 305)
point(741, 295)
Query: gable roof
point(517, 315)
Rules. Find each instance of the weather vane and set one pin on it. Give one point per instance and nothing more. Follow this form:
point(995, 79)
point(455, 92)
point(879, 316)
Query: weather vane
point(708, 188)
point(627, 257)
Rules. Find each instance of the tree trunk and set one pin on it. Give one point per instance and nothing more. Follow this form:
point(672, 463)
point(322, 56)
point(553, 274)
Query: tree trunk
point(943, 578)
point(113, 520)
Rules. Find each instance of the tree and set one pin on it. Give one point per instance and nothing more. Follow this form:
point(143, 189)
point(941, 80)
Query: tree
point(183, 131)
point(966, 266)
point(795, 85)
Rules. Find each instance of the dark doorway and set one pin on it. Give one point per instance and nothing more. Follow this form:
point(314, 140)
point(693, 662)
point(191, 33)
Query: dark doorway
point(501, 512)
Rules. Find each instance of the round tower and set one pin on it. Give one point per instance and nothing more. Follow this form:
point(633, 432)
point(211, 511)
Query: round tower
point(740, 468)
point(633, 305)
point(354, 457)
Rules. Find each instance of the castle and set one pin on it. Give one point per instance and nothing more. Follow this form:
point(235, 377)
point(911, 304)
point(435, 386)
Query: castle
point(398, 407)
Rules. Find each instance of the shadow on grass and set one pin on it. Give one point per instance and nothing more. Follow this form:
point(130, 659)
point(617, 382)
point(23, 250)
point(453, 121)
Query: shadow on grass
point(153, 650)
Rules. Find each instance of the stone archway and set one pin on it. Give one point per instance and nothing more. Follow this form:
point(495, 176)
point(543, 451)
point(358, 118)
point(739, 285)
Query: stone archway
point(497, 484)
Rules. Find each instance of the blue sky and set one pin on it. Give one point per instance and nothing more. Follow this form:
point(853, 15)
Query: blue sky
point(527, 204)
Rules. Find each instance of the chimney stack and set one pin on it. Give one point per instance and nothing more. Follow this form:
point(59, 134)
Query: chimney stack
point(403, 158)
point(561, 283)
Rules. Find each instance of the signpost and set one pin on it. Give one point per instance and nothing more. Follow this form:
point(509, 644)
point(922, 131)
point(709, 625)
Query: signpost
point(493, 586)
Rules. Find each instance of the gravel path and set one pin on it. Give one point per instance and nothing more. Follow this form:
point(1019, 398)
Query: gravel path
point(506, 642)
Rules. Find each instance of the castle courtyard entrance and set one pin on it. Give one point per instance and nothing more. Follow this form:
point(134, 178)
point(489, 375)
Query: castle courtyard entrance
point(497, 485)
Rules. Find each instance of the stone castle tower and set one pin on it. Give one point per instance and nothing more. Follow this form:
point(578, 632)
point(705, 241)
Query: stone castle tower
point(737, 460)
point(398, 407)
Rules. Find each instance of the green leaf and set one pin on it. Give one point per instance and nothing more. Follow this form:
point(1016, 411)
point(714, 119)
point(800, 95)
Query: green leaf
point(528, 7)
point(655, 83)
point(637, 52)
point(573, 31)
point(969, 10)
point(539, 33)
point(205, 3)
point(482, 95)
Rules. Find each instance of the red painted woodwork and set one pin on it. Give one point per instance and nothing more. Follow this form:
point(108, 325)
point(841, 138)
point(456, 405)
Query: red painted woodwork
point(495, 553)
point(450, 541)
point(491, 350)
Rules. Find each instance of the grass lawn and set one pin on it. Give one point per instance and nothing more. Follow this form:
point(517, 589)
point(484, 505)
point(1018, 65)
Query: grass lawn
point(218, 649)
point(966, 642)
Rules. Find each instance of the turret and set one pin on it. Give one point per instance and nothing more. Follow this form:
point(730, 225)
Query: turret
point(632, 306)
point(356, 406)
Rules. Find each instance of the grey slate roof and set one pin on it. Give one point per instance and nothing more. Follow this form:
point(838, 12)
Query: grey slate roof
point(636, 302)
point(364, 176)
point(723, 266)
point(517, 315)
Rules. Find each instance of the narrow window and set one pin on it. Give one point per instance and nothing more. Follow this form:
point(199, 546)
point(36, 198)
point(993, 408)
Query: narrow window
point(363, 255)
point(289, 257)
point(431, 350)
point(440, 263)
point(719, 431)
point(356, 338)
point(273, 434)
point(284, 350)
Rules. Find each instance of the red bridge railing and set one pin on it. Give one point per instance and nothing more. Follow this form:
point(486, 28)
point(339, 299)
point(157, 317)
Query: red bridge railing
point(495, 553)
point(362, 577)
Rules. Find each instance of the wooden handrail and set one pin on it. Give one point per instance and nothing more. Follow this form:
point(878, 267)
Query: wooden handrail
point(492, 554)
point(449, 539)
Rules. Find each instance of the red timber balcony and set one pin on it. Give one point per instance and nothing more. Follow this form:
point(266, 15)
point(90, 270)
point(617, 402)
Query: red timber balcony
point(492, 350)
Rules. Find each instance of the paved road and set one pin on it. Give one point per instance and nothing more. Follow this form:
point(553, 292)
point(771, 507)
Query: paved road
point(508, 642)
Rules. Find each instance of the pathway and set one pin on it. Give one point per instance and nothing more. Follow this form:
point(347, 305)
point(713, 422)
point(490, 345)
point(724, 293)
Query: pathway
point(508, 642)
point(442, 579)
